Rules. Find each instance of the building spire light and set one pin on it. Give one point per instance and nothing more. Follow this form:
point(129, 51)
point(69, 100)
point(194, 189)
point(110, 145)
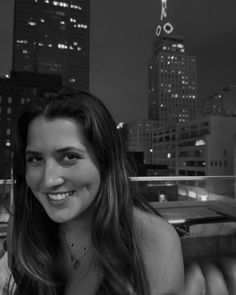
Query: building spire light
point(163, 9)
point(167, 27)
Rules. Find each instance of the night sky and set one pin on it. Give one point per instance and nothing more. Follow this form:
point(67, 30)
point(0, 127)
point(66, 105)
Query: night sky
point(122, 33)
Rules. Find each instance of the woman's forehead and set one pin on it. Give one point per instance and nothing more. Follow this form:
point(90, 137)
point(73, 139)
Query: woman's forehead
point(55, 132)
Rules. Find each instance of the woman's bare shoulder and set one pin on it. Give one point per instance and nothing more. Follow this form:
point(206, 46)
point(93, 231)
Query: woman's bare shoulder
point(161, 251)
point(154, 228)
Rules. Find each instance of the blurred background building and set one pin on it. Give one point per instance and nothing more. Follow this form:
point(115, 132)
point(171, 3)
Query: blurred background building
point(172, 81)
point(53, 37)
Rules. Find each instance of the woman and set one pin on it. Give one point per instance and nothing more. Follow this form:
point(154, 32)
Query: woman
point(79, 226)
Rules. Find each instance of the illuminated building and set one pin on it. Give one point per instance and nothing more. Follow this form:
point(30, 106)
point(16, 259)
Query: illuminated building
point(15, 92)
point(172, 77)
point(140, 134)
point(53, 37)
point(222, 102)
point(200, 147)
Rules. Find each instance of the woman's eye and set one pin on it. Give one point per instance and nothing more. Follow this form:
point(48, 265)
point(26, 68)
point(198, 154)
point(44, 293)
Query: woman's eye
point(70, 157)
point(33, 160)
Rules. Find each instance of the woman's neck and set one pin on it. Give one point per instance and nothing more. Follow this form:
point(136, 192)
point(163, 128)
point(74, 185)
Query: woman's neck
point(77, 229)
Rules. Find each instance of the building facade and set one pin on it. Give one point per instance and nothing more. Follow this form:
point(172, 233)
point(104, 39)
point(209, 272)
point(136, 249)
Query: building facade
point(172, 82)
point(53, 37)
point(199, 148)
point(222, 102)
point(140, 137)
point(15, 92)
point(172, 88)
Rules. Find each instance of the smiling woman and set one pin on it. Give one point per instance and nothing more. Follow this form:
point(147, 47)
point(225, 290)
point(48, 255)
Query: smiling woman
point(60, 170)
point(79, 226)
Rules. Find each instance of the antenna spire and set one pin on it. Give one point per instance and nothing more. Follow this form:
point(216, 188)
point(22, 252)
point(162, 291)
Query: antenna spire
point(163, 9)
point(165, 26)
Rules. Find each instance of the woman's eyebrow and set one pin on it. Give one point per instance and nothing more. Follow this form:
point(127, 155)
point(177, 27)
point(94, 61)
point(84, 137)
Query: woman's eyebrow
point(28, 151)
point(70, 148)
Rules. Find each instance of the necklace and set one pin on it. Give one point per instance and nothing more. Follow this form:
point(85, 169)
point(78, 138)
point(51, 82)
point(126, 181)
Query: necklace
point(75, 260)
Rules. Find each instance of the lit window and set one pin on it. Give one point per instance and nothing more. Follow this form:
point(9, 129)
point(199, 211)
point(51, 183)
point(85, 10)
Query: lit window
point(200, 142)
point(9, 99)
point(61, 4)
point(21, 41)
point(82, 26)
point(76, 6)
point(8, 143)
point(31, 23)
point(8, 131)
point(8, 111)
point(62, 46)
point(25, 51)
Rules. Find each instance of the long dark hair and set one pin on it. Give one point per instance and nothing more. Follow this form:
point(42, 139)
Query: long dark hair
point(115, 241)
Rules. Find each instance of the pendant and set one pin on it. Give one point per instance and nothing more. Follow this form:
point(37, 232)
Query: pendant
point(76, 264)
point(75, 261)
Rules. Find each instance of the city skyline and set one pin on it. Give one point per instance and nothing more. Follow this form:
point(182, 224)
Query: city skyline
point(121, 45)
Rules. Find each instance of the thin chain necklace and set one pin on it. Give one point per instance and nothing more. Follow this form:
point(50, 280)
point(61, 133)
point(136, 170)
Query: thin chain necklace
point(75, 260)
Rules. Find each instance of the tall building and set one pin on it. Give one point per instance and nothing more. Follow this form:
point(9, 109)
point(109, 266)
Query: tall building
point(15, 92)
point(53, 37)
point(172, 77)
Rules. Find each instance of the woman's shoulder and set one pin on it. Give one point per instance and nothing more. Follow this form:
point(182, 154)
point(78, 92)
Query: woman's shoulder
point(161, 250)
point(153, 228)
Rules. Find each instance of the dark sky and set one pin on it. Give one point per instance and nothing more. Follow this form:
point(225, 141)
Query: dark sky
point(122, 33)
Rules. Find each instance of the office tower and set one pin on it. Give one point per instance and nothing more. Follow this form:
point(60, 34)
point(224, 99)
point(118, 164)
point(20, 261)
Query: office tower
point(53, 37)
point(172, 77)
point(15, 92)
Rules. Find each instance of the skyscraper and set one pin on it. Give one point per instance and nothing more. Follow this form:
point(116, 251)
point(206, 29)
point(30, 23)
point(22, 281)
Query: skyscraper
point(172, 77)
point(53, 37)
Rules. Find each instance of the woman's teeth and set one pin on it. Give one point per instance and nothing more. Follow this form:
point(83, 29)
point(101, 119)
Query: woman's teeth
point(59, 196)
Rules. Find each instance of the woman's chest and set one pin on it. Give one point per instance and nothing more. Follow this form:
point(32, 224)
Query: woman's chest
point(85, 284)
point(82, 278)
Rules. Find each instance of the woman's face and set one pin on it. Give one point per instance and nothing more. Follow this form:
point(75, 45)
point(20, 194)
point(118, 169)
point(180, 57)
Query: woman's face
point(61, 169)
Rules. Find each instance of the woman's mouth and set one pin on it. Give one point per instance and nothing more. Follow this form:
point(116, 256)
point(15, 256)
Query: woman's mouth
point(59, 196)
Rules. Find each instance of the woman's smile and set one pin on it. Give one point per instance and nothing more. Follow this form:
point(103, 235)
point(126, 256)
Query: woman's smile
point(61, 168)
point(59, 196)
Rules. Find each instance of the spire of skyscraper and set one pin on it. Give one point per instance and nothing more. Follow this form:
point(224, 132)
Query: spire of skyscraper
point(165, 26)
point(172, 77)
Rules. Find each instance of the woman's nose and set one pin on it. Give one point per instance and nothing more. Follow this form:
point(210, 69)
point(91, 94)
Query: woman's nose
point(52, 175)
